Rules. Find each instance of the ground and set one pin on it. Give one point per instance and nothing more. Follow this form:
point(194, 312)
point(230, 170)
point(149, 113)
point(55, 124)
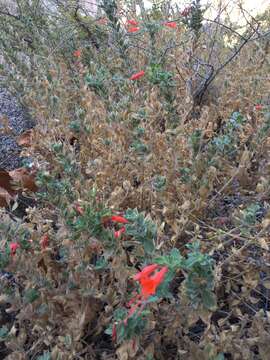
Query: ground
point(18, 121)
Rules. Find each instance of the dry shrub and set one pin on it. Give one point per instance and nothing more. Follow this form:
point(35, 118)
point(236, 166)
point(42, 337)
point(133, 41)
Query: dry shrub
point(104, 144)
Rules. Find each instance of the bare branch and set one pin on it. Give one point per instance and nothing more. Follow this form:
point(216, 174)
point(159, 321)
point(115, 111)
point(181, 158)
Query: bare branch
point(226, 27)
point(232, 56)
point(85, 28)
point(202, 88)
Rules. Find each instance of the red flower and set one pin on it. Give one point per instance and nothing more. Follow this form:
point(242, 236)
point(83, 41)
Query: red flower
point(119, 219)
point(148, 270)
point(114, 333)
point(77, 53)
point(149, 283)
point(134, 308)
point(137, 75)
point(13, 248)
point(133, 299)
point(171, 24)
point(44, 242)
point(119, 232)
point(102, 21)
point(258, 107)
point(132, 22)
point(133, 29)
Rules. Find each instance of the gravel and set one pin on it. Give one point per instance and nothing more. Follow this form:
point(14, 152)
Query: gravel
point(19, 121)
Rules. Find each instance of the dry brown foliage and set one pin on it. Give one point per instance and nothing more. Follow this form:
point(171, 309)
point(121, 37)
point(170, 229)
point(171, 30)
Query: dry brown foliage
point(124, 142)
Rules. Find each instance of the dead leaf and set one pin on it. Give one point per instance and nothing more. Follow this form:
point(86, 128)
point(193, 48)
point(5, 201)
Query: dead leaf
point(5, 129)
point(127, 350)
point(25, 139)
point(16, 355)
point(6, 190)
point(263, 243)
point(5, 197)
point(6, 181)
point(24, 178)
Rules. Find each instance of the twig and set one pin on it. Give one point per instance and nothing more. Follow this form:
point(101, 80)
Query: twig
point(85, 28)
point(203, 87)
point(226, 27)
point(231, 57)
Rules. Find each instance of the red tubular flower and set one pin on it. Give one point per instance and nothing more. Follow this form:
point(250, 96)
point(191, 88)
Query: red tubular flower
point(148, 270)
point(77, 53)
point(258, 107)
point(149, 283)
point(119, 219)
point(13, 248)
point(132, 22)
point(44, 241)
point(133, 299)
point(171, 24)
point(119, 232)
point(137, 75)
point(133, 29)
point(134, 308)
point(102, 21)
point(114, 333)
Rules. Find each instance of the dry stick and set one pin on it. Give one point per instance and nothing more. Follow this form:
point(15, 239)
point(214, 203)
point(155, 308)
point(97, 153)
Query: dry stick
point(234, 55)
point(226, 27)
point(261, 36)
point(170, 47)
point(86, 29)
point(240, 298)
point(215, 73)
point(213, 45)
point(62, 42)
point(215, 36)
point(223, 187)
point(238, 252)
point(243, 11)
point(225, 233)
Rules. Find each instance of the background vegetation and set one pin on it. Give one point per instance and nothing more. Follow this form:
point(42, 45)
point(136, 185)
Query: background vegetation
point(161, 117)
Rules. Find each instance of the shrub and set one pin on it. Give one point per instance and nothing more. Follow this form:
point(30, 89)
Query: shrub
point(148, 237)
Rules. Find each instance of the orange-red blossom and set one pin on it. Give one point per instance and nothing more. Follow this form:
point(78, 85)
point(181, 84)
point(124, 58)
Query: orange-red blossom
point(13, 248)
point(132, 22)
point(149, 279)
point(77, 53)
point(44, 241)
point(137, 75)
point(118, 233)
point(133, 29)
point(258, 107)
point(171, 24)
point(119, 219)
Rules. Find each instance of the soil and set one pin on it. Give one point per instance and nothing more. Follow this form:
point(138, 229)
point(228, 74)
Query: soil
point(18, 121)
